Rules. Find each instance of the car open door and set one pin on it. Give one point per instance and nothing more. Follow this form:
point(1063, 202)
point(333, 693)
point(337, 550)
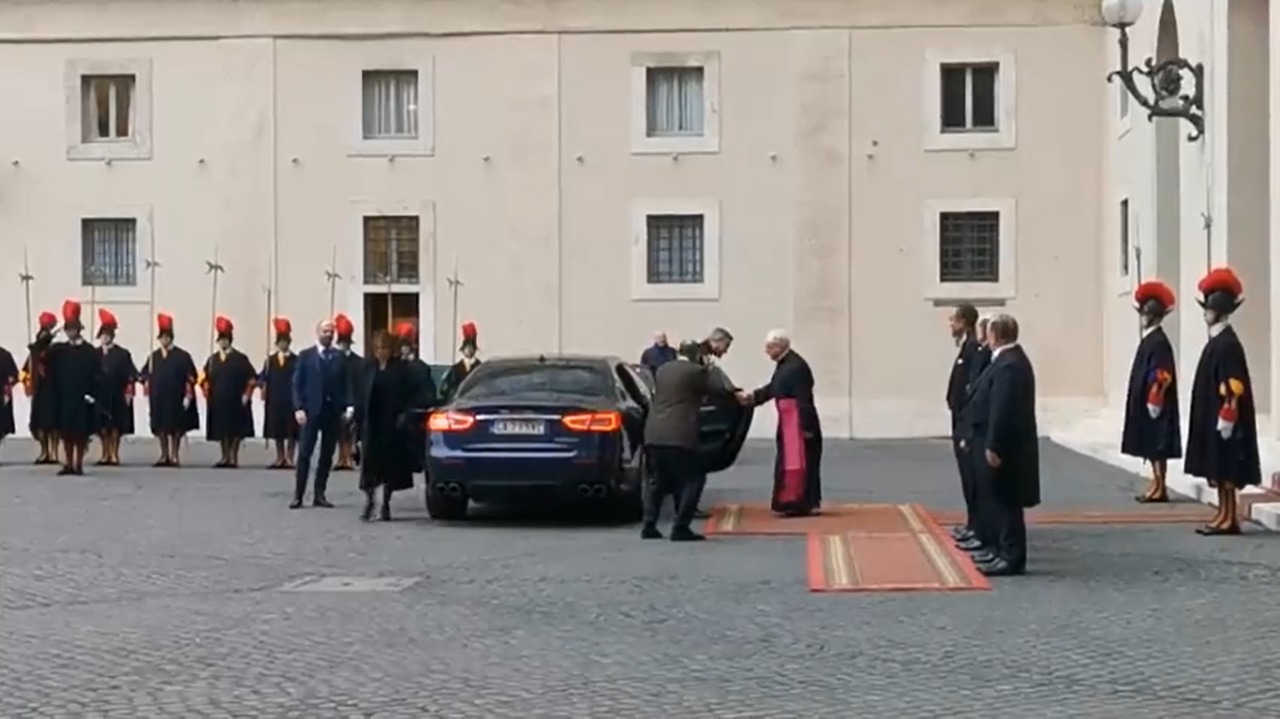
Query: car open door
point(723, 427)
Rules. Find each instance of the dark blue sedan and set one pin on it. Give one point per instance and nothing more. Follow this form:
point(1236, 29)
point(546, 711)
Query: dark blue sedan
point(555, 428)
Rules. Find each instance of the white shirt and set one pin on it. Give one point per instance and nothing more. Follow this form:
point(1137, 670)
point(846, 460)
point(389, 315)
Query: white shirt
point(1217, 328)
point(1150, 329)
point(996, 352)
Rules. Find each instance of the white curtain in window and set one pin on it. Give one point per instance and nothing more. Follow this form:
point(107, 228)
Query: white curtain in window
point(674, 101)
point(390, 105)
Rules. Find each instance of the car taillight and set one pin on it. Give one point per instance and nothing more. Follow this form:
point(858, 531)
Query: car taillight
point(593, 422)
point(450, 422)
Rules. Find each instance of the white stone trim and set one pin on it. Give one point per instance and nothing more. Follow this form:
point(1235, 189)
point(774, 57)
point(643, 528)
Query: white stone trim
point(1123, 123)
point(389, 58)
point(1006, 287)
point(1006, 135)
point(709, 289)
point(145, 248)
point(709, 141)
point(137, 147)
point(425, 210)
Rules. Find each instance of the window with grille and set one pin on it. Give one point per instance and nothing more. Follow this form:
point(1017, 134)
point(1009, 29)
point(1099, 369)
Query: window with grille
point(107, 107)
point(1125, 249)
point(969, 97)
point(674, 101)
point(969, 246)
point(675, 249)
point(109, 252)
point(390, 104)
point(391, 250)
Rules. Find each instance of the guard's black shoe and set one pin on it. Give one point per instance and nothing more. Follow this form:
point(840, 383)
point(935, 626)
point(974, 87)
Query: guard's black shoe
point(685, 535)
point(701, 513)
point(961, 533)
point(322, 503)
point(385, 514)
point(296, 503)
point(970, 545)
point(649, 531)
point(983, 556)
point(1000, 568)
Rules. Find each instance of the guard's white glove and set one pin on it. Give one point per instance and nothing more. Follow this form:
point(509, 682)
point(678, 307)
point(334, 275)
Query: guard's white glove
point(129, 400)
point(245, 400)
point(90, 399)
point(186, 403)
point(300, 417)
point(1154, 410)
point(1225, 428)
point(349, 413)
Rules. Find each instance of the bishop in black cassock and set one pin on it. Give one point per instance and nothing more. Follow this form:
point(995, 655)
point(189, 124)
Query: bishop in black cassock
point(115, 393)
point(275, 383)
point(169, 379)
point(1222, 436)
point(797, 467)
point(1151, 428)
point(75, 372)
point(228, 381)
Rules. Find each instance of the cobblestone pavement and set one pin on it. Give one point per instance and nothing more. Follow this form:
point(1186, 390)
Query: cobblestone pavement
point(143, 593)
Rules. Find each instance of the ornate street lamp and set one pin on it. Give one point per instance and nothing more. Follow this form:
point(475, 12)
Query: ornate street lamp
point(1167, 78)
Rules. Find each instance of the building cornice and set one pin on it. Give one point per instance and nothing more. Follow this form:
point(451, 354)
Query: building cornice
point(131, 20)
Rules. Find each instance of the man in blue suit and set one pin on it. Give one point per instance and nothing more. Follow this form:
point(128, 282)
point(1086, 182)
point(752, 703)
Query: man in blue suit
point(322, 401)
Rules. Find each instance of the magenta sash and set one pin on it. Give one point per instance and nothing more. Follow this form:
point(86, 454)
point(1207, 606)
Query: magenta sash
point(794, 468)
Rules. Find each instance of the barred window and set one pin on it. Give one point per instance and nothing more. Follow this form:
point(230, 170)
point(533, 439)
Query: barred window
point(391, 250)
point(109, 252)
point(390, 104)
point(675, 249)
point(674, 104)
point(969, 246)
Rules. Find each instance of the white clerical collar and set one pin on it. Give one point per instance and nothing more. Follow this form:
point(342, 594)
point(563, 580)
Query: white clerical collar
point(1216, 328)
point(1150, 329)
point(996, 352)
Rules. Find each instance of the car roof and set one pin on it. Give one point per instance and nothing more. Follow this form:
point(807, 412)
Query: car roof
point(554, 359)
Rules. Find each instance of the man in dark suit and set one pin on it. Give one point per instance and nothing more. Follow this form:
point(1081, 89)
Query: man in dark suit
point(1000, 437)
point(658, 354)
point(322, 400)
point(963, 325)
point(671, 440)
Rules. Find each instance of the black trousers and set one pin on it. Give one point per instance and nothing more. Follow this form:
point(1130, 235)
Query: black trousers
point(967, 484)
point(322, 430)
point(675, 471)
point(1002, 520)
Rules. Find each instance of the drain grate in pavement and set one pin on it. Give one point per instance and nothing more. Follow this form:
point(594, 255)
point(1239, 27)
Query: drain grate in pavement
point(351, 584)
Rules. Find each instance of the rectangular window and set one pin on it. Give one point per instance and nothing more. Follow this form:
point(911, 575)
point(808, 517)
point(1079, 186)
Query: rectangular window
point(1124, 238)
point(390, 104)
point(107, 107)
point(674, 101)
point(969, 97)
point(969, 247)
point(391, 250)
point(108, 252)
point(675, 249)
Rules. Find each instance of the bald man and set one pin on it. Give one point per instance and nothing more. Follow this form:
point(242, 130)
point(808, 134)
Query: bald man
point(322, 400)
point(658, 354)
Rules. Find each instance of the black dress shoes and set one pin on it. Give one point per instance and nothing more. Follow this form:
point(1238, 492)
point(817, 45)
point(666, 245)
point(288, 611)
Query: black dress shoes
point(983, 556)
point(685, 535)
point(701, 514)
point(649, 531)
point(1001, 567)
point(296, 503)
point(322, 503)
point(969, 545)
point(961, 533)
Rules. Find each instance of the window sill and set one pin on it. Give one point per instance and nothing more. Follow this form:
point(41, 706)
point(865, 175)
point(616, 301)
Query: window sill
point(970, 141)
point(392, 148)
point(704, 292)
point(697, 145)
point(110, 150)
point(970, 292)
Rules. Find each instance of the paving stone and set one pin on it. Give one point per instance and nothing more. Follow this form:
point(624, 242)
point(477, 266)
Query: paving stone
point(142, 592)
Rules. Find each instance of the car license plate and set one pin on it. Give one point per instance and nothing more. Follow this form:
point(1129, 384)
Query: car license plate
point(519, 426)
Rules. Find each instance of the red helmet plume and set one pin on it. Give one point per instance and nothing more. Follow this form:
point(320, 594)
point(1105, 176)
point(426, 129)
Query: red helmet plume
point(70, 311)
point(282, 326)
point(223, 326)
point(407, 332)
point(1154, 291)
point(164, 323)
point(343, 326)
point(1221, 279)
point(106, 319)
point(469, 331)
point(48, 320)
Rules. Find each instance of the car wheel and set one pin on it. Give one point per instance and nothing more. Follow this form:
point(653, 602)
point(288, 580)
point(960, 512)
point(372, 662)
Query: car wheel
point(445, 508)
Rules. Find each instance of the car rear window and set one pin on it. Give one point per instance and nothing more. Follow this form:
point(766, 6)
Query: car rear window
point(491, 381)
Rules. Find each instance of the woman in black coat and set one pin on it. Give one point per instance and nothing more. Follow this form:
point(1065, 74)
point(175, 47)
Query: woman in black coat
point(384, 397)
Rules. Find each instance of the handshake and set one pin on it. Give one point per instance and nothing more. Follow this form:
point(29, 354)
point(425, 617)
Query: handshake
point(744, 398)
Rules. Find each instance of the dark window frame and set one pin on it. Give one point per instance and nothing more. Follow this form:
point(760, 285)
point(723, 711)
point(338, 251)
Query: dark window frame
point(391, 249)
point(109, 252)
point(969, 246)
point(675, 249)
point(978, 89)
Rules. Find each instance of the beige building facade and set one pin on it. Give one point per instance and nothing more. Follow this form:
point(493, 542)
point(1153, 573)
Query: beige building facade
point(573, 176)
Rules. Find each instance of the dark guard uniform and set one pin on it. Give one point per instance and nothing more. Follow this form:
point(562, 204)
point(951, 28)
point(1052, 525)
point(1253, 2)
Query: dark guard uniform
point(797, 478)
point(227, 381)
point(384, 396)
point(115, 394)
point(9, 377)
point(1151, 418)
point(963, 370)
point(999, 429)
point(75, 371)
point(1222, 437)
point(275, 382)
point(35, 384)
point(465, 366)
point(422, 387)
point(169, 379)
point(344, 331)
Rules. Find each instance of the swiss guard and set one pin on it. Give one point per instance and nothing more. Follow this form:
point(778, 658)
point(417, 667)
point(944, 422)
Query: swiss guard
point(1151, 428)
point(36, 385)
point(1222, 438)
point(76, 374)
point(463, 367)
point(275, 383)
point(115, 393)
point(424, 389)
point(345, 333)
point(9, 378)
point(228, 381)
point(169, 380)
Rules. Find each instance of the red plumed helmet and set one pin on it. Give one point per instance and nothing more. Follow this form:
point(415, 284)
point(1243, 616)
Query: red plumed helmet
point(106, 319)
point(406, 331)
point(343, 326)
point(223, 326)
point(164, 323)
point(70, 311)
point(48, 320)
point(1154, 290)
point(1221, 279)
point(282, 326)
point(469, 331)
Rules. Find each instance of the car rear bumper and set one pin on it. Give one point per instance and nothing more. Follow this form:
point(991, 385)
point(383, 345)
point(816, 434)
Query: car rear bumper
point(502, 480)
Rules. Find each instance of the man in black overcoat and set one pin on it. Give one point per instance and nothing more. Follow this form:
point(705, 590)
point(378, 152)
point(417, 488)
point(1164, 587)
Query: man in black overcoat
point(228, 380)
point(275, 382)
point(1222, 436)
point(76, 374)
point(115, 393)
point(1000, 436)
point(169, 380)
point(1151, 428)
point(963, 325)
point(36, 385)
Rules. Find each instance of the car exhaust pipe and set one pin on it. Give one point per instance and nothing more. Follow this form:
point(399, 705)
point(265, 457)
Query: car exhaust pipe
point(453, 489)
point(599, 490)
point(584, 490)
